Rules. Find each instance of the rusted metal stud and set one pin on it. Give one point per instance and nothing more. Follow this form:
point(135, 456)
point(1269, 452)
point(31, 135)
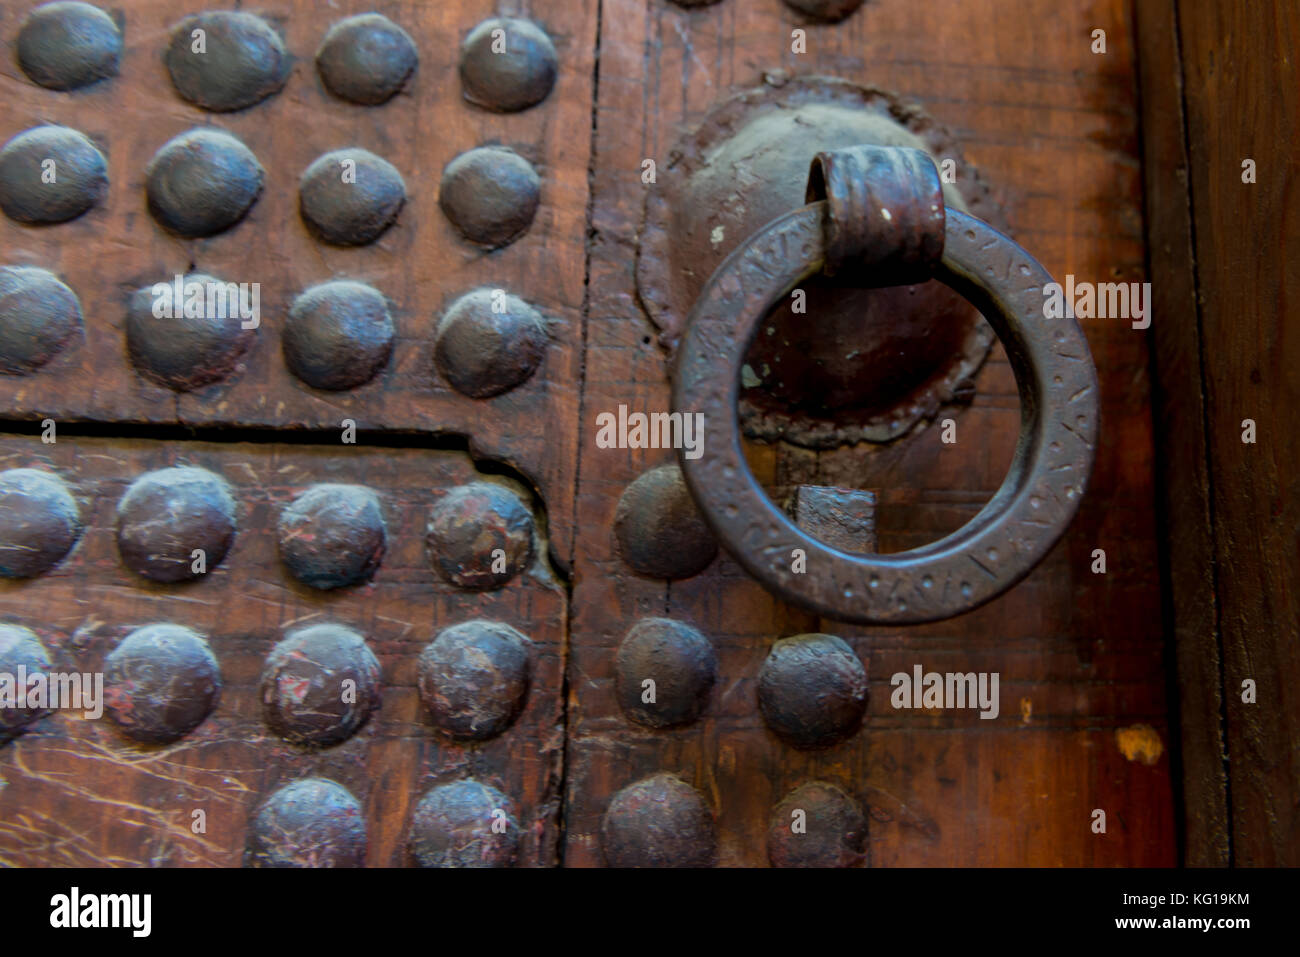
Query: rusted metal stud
point(664, 672)
point(225, 60)
point(490, 194)
point(39, 522)
point(350, 197)
point(333, 535)
point(828, 11)
point(65, 46)
point(339, 335)
point(489, 342)
point(366, 59)
point(202, 182)
point(507, 64)
point(50, 174)
point(175, 524)
point(464, 824)
point(20, 648)
point(817, 825)
point(319, 685)
point(843, 518)
point(313, 822)
point(160, 683)
point(187, 348)
point(38, 316)
point(480, 536)
point(659, 821)
point(474, 678)
point(660, 532)
point(812, 690)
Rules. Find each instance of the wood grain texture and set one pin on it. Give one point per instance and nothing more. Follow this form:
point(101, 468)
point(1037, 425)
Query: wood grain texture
point(1240, 88)
point(1054, 126)
point(421, 265)
point(75, 792)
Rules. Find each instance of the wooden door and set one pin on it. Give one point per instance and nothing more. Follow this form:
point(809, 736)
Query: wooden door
point(1047, 125)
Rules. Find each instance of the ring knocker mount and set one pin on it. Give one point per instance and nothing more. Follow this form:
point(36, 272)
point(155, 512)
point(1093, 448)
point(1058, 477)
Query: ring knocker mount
point(877, 214)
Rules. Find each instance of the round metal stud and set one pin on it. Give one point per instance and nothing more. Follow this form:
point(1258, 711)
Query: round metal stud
point(680, 665)
point(160, 683)
point(464, 824)
point(660, 532)
point(507, 64)
point(202, 340)
point(659, 821)
point(333, 535)
point(812, 690)
point(309, 823)
point(319, 685)
point(167, 516)
point(490, 194)
point(65, 46)
point(474, 677)
point(350, 197)
point(50, 174)
point(828, 11)
point(339, 335)
point(202, 182)
point(480, 536)
point(20, 648)
point(226, 60)
point(489, 342)
point(816, 825)
point(39, 522)
point(38, 316)
point(366, 59)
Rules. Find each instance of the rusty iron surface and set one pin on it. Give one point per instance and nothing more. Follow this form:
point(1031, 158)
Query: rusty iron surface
point(997, 548)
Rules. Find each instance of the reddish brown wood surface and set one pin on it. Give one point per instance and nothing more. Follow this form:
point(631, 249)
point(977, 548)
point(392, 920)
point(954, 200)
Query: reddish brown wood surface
point(1231, 358)
point(1053, 127)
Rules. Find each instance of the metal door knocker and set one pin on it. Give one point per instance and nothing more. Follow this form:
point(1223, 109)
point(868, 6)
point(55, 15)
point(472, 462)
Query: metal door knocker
point(878, 212)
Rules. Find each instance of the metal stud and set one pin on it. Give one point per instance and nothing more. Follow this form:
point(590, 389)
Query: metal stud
point(175, 524)
point(65, 46)
point(38, 316)
point(319, 685)
point(480, 536)
point(464, 824)
point(339, 335)
point(39, 522)
point(20, 648)
point(333, 535)
point(490, 194)
point(507, 64)
point(191, 347)
point(812, 690)
point(489, 342)
point(350, 197)
point(366, 59)
point(202, 182)
point(828, 11)
point(659, 821)
point(660, 532)
point(816, 825)
point(160, 683)
point(50, 174)
point(309, 823)
point(664, 671)
point(474, 677)
point(226, 60)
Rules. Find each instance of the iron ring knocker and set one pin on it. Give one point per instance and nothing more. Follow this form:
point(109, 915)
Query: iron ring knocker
point(879, 212)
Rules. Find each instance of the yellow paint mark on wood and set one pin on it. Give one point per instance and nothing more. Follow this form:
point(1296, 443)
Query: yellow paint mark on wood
point(1139, 743)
